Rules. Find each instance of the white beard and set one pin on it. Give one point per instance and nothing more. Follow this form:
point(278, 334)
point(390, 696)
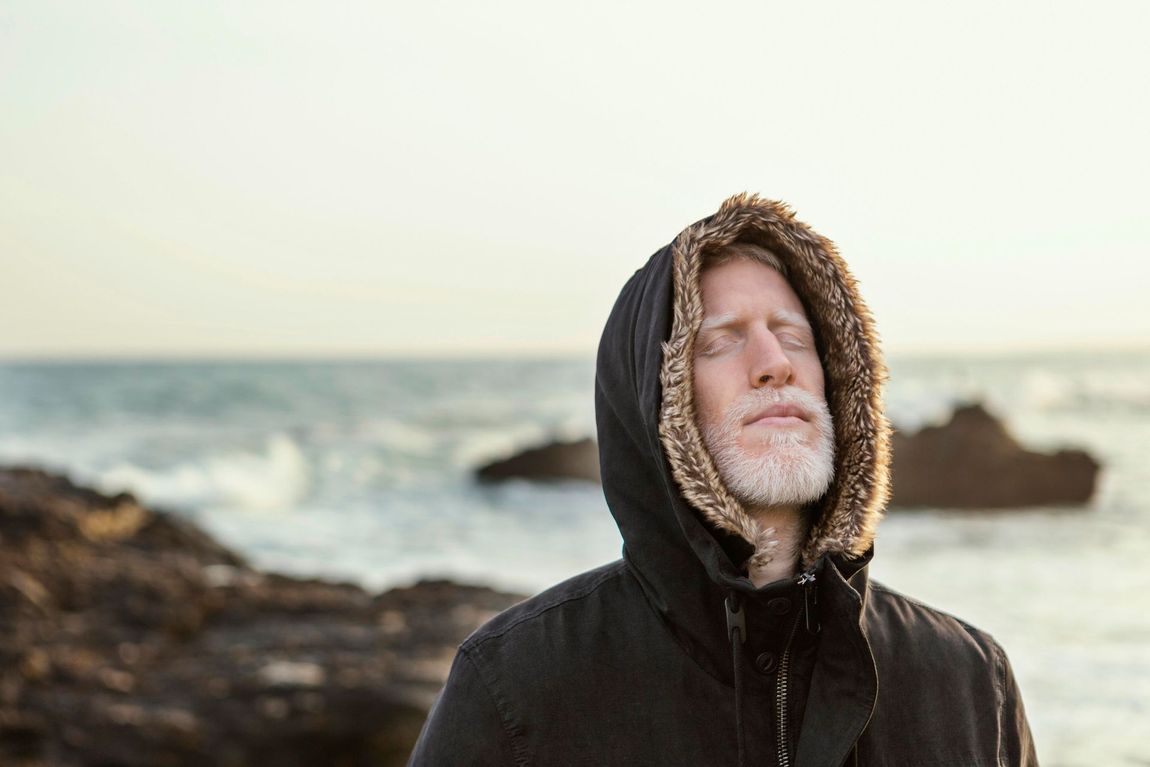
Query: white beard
point(791, 471)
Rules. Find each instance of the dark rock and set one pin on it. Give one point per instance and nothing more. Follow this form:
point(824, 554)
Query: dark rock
point(969, 462)
point(972, 462)
point(130, 637)
point(555, 460)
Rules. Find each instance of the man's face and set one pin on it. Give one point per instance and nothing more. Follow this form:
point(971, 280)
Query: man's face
point(755, 352)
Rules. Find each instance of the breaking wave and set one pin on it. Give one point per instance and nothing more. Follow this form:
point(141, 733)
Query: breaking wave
point(274, 478)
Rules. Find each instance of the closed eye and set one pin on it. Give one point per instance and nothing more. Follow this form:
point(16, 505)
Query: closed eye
point(716, 345)
point(793, 340)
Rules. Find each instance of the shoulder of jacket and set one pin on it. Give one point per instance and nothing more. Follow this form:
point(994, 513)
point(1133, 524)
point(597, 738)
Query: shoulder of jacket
point(939, 624)
point(531, 611)
point(951, 652)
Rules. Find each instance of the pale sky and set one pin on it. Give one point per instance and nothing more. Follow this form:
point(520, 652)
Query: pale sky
point(355, 178)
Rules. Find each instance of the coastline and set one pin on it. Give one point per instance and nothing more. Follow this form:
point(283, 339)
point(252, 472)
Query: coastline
point(130, 636)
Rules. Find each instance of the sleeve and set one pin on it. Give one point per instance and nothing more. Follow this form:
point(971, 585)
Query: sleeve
point(1016, 744)
point(464, 725)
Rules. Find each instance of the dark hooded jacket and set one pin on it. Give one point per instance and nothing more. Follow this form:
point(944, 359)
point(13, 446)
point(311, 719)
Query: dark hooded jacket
point(670, 655)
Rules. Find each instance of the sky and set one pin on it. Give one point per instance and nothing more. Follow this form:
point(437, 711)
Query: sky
point(287, 179)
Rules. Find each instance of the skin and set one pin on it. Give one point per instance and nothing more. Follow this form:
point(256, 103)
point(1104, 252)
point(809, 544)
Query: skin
point(752, 352)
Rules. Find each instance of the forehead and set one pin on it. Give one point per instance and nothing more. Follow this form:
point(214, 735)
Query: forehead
point(746, 287)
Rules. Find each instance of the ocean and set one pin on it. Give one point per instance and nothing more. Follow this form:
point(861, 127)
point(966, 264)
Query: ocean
point(362, 470)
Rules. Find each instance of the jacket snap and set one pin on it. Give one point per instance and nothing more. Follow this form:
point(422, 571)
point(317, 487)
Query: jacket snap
point(766, 662)
point(779, 606)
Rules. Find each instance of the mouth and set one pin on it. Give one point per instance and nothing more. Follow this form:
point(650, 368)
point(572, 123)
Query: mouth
point(777, 415)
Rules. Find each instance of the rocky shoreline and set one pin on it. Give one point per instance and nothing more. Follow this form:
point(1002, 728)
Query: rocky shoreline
point(129, 637)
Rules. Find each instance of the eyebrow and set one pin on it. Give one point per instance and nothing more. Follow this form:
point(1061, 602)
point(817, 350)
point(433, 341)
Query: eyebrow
point(780, 316)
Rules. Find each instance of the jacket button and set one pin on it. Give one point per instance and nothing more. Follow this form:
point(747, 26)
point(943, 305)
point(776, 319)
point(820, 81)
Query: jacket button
point(779, 606)
point(766, 662)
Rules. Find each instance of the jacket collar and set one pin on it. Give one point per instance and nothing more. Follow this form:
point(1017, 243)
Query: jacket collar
point(844, 686)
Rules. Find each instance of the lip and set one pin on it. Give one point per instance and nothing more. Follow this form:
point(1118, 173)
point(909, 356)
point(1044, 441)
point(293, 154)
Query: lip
point(778, 414)
point(778, 420)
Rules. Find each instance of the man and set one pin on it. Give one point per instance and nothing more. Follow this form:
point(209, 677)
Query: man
point(745, 457)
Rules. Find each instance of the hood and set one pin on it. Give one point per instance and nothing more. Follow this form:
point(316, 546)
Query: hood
point(664, 491)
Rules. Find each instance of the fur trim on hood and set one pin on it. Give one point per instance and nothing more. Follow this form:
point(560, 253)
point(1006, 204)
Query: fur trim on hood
point(845, 518)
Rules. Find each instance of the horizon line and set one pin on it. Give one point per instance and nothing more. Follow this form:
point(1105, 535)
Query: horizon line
point(384, 355)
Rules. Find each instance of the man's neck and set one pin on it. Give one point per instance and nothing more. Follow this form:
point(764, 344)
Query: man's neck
point(790, 529)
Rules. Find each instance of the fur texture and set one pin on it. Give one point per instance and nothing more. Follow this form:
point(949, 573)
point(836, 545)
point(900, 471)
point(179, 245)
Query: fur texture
point(845, 518)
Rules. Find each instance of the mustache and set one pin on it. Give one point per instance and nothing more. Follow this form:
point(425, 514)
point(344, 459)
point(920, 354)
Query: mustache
point(754, 401)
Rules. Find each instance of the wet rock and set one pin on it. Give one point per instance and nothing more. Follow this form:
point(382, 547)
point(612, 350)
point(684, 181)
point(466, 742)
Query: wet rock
point(128, 636)
point(555, 460)
point(972, 462)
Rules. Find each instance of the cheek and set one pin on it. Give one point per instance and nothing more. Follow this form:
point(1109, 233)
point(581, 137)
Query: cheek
point(708, 397)
point(815, 376)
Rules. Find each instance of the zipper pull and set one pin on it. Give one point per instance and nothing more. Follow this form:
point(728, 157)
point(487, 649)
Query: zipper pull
point(807, 581)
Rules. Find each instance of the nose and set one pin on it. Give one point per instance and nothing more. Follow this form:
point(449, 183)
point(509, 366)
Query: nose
point(770, 365)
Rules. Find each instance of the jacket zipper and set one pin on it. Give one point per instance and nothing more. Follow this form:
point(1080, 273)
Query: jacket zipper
point(782, 682)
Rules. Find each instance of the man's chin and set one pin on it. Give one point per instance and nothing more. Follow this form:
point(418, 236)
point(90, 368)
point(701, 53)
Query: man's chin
point(755, 449)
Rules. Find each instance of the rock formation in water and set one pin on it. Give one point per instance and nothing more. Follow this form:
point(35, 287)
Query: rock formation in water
point(972, 462)
point(130, 637)
point(555, 460)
